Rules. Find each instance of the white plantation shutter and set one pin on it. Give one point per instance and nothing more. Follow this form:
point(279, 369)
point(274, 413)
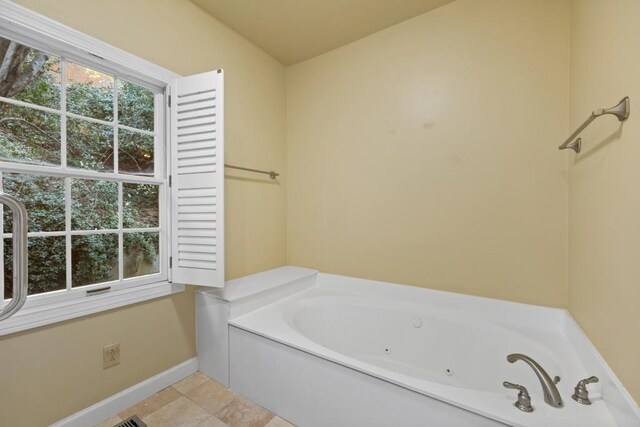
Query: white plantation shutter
point(197, 179)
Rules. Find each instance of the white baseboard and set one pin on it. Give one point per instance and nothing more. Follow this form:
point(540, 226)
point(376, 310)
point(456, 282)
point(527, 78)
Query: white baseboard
point(110, 406)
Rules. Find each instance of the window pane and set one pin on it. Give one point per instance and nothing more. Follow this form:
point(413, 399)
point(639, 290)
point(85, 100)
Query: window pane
point(140, 204)
point(47, 266)
point(42, 196)
point(89, 145)
point(94, 259)
point(135, 153)
point(29, 136)
point(141, 254)
point(135, 106)
point(94, 204)
point(29, 75)
point(89, 92)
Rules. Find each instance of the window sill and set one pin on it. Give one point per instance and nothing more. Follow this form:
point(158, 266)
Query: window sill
point(34, 317)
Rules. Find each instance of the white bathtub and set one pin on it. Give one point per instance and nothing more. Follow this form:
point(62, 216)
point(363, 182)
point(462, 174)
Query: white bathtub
point(324, 351)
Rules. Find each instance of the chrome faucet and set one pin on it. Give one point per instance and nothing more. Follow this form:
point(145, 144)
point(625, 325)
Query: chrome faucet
point(549, 389)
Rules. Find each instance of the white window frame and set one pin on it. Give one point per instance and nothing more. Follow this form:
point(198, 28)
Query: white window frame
point(25, 26)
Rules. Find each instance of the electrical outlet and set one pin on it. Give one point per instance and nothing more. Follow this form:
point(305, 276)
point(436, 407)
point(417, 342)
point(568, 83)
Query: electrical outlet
point(110, 355)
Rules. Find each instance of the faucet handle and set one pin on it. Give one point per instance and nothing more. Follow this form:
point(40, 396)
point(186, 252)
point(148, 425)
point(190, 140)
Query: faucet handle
point(590, 380)
point(580, 393)
point(519, 387)
point(524, 400)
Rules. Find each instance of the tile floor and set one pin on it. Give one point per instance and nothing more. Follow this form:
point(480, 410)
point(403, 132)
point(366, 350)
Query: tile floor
point(198, 401)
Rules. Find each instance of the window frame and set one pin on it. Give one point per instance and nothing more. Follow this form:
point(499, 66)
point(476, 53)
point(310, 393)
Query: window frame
point(25, 26)
point(64, 172)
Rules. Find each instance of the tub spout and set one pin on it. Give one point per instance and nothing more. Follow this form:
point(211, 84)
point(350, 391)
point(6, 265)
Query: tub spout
point(551, 394)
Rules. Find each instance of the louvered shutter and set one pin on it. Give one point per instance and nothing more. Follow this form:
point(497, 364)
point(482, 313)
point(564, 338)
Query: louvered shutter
point(197, 179)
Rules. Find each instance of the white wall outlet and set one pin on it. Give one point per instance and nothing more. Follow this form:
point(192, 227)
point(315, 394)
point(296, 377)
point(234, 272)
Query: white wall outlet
point(110, 355)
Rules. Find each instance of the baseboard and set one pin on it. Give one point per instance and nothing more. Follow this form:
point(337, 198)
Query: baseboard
point(110, 406)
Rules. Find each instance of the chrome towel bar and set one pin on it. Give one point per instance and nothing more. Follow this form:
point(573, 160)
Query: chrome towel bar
point(20, 257)
point(621, 111)
point(271, 174)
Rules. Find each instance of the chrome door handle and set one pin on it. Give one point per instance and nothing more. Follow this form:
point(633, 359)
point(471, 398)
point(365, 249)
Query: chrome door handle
point(20, 256)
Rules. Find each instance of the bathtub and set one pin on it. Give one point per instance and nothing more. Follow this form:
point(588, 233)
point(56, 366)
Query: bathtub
point(321, 349)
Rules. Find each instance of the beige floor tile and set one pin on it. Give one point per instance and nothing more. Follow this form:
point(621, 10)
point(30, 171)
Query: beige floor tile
point(180, 413)
point(185, 385)
point(151, 403)
point(244, 413)
point(211, 396)
point(212, 422)
point(110, 422)
point(279, 422)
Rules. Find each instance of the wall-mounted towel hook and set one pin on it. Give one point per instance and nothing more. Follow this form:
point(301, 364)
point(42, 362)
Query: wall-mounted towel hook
point(621, 111)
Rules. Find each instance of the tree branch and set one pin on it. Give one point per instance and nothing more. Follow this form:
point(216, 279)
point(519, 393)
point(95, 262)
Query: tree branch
point(15, 74)
point(35, 68)
point(19, 119)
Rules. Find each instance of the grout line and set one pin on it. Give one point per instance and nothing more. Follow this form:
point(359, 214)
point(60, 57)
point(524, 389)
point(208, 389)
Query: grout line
point(181, 394)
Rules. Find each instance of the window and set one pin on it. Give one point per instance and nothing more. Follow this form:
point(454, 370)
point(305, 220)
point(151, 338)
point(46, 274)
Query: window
point(78, 147)
point(122, 188)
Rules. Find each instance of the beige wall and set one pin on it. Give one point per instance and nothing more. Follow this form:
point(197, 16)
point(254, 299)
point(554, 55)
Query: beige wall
point(426, 153)
point(604, 186)
point(52, 372)
point(55, 371)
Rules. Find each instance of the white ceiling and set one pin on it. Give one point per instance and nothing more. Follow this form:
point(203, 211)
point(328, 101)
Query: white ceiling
point(294, 30)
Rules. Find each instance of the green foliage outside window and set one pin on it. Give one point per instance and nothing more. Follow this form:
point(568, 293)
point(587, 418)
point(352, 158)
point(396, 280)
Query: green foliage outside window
point(31, 136)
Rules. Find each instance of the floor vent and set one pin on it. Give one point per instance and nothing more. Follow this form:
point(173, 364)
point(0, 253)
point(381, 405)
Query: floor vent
point(131, 422)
